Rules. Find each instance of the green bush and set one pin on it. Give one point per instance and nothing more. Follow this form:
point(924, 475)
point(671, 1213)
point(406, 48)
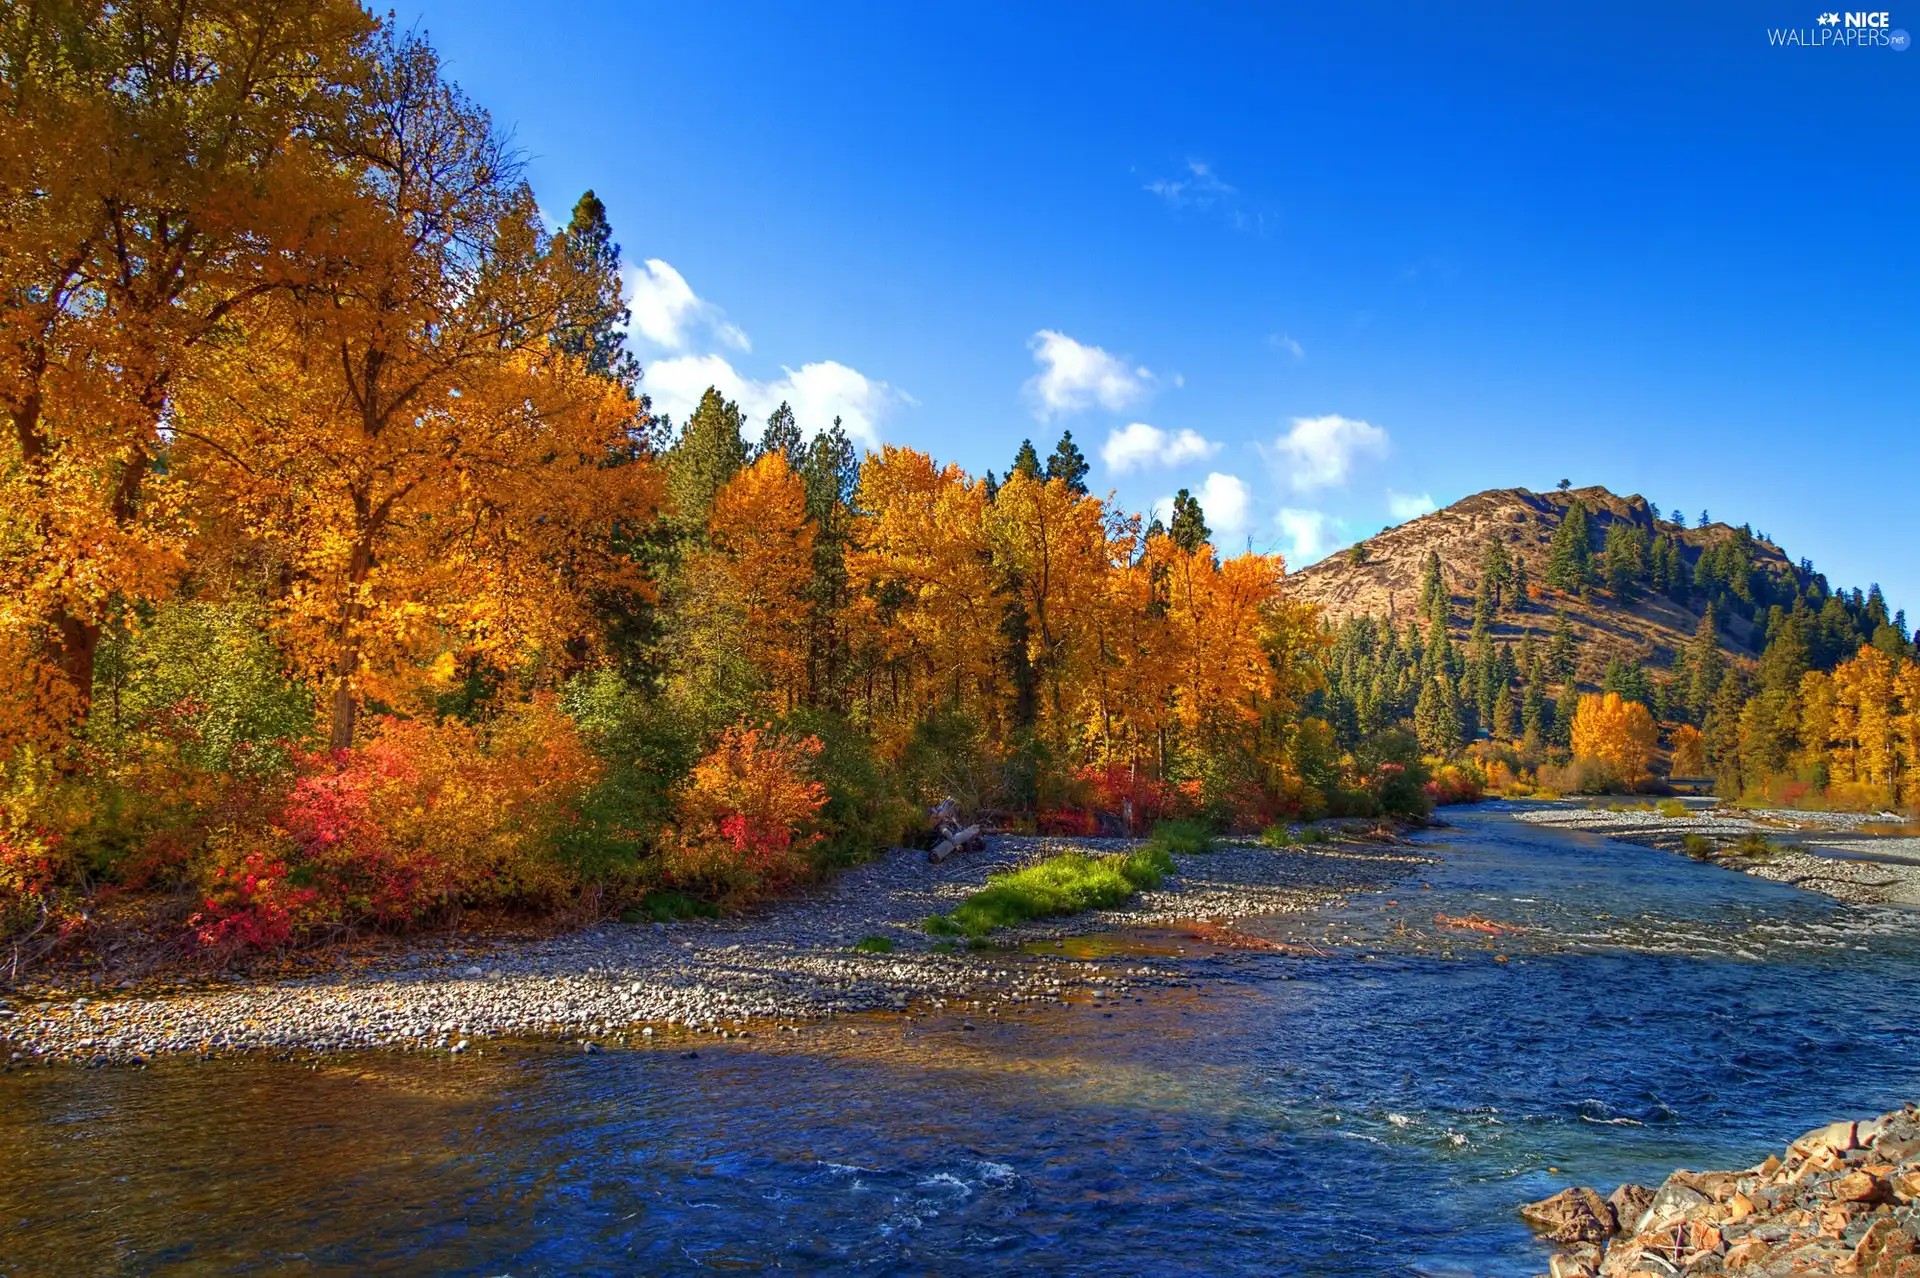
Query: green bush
point(873, 945)
point(1672, 808)
point(1276, 836)
point(1182, 838)
point(1697, 846)
point(1065, 884)
point(669, 907)
point(864, 811)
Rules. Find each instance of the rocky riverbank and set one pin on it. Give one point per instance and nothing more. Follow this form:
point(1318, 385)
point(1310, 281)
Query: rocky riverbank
point(1822, 852)
point(1842, 1199)
point(791, 960)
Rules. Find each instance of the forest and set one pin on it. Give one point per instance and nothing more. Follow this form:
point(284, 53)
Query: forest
point(351, 583)
point(1817, 701)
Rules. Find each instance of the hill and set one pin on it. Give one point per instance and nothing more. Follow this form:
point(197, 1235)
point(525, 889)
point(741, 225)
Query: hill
point(1382, 576)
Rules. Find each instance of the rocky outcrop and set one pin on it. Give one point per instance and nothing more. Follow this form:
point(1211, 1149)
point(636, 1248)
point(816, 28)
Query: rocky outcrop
point(1843, 1199)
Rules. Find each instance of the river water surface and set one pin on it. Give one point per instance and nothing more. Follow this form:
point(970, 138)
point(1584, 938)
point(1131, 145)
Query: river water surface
point(1376, 1100)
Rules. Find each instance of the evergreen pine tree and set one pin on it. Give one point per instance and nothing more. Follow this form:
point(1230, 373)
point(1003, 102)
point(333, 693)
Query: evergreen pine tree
point(1505, 724)
point(1705, 666)
point(592, 320)
point(1189, 525)
point(1434, 599)
point(1436, 715)
point(707, 454)
point(1068, 464)
point(1569, 557)
point(782, 436)
point(1026, 461)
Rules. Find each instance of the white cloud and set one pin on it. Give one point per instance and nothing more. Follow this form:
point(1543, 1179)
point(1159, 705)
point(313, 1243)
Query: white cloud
point(818, 393)
point(1405, 506)
point(1200, 188)
point(1225, 499)
point(1138, 444)
point(667, 313)
point(1281, 342)
point(1310, 535)
point(1074, 376)
point(1320, 451)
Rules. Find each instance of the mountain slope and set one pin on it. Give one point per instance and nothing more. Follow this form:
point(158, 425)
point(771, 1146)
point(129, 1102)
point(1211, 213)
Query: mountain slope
point(1382, 576)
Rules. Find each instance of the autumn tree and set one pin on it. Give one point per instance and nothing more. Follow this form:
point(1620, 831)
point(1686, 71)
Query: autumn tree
point(407, 430)
point(1621, 733)
point(763, 542)
point(163, 168)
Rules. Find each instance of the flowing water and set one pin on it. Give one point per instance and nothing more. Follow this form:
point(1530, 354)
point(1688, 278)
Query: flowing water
point(1375, 1100)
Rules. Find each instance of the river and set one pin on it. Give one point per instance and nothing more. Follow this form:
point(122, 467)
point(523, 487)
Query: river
point(1376, 1100)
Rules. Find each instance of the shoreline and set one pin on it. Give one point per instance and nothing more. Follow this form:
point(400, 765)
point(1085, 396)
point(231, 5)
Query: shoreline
point(1817, 851)
point(1840, 1199)
point(790, 960)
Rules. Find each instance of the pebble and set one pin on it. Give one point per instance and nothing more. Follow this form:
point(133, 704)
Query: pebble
point(789, 961)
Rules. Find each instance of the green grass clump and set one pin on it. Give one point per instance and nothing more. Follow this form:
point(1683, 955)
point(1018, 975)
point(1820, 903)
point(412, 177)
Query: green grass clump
point(873, 945)
point(1753, 845)
point(1065, 884)
point(1697, 846)
point(1276, 836)
point(1672, 808)
point(669, 907)
point(1182, 838)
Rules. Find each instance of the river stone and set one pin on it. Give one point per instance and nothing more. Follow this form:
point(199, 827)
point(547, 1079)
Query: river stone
point(1629, 1203)
point(1673, 1201)
point(1837, 1137)
point(1571, 1216)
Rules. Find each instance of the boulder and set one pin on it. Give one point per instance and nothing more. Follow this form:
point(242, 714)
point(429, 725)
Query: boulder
point(1629, 1203)
point(1572, 1216)
point(1674, 1201)
point(1835, 1138)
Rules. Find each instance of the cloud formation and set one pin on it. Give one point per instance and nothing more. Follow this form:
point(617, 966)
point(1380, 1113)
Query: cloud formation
point(1405, 506)
point(1310, 535)
point(1320, 452)
point(1200, 188)
point(1281, 342)
point(1226, 499)
point(667, 312)
point(1074, 376)
point(1139, 445)
point(818, 392)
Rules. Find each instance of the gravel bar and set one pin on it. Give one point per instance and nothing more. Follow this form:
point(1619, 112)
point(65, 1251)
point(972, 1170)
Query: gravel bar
point(1823, 852)
point(791, 960)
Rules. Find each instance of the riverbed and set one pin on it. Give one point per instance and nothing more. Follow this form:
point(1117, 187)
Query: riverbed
point(1536, 1007)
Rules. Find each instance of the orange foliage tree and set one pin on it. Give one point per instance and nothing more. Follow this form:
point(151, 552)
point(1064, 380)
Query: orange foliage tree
point(1619, 732)
point(763, 543)
point(163, 170)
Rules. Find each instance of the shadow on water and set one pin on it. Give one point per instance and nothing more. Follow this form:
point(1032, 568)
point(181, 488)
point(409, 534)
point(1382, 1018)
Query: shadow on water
point(1378, 1110)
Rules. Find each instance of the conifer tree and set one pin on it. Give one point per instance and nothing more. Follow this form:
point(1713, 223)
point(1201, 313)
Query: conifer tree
point(1026, 461)
point(782, 436)
point(593, 325)
point(1705, 666)
point(1434, 599)
point(1569, 557)
point(1189, 525)
point(707, 454)
point(1068, 464)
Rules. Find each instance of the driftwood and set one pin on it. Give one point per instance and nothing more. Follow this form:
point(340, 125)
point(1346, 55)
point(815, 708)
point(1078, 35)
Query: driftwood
point(958, 841)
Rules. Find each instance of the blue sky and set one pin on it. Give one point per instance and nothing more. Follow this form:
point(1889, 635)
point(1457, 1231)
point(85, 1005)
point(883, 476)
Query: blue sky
point(1326, 264)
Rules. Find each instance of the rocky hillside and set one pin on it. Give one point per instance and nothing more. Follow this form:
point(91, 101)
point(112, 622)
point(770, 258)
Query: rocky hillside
point(1382, 575)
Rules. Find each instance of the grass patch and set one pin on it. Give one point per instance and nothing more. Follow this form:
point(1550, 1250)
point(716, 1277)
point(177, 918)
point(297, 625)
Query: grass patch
point(1065, 884)
point(1276, 836)
point(1697, 846)
point(1182, 838)
point(1753, 845)
point(873, 945)
point(1673, 808)
point(668, 907)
